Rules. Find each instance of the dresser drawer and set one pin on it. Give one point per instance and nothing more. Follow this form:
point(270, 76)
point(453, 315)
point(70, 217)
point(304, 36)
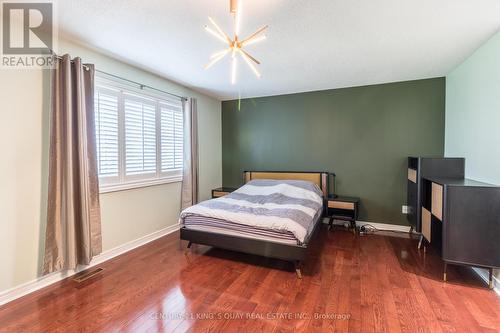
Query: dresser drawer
point(412, 175)
point(437, 201)
point(341, 205)
point(222, 191)
point(218, 194)
point(426, 224)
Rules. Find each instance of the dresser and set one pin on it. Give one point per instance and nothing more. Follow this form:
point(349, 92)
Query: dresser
point(420, 167)
point(461, 217)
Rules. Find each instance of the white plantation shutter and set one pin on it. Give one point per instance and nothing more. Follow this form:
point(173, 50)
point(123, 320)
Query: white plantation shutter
point(139, 136)
point(106, 125)
point(171, 130)
point(179, 138)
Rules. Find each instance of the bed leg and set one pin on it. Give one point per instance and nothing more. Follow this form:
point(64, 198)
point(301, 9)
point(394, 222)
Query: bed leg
point(297, 270)
point(186, 251)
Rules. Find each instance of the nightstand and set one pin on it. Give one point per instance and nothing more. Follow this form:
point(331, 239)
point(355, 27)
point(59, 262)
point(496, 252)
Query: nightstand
point(343, 208)
point(222, 191)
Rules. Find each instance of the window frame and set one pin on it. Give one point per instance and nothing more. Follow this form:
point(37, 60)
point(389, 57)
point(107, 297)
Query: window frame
point(123, 181)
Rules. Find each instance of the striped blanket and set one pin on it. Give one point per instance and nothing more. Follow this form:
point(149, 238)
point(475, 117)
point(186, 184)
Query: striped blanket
point(287, 207)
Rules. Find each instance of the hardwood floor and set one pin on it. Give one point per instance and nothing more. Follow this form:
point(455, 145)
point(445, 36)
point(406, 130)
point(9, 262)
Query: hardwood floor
point(351, 283)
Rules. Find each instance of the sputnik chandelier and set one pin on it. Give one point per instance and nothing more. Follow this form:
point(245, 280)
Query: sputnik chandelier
point(235, 45)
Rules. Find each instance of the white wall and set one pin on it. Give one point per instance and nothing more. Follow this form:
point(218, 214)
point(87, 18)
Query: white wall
point(126, 215)
point(473, 114)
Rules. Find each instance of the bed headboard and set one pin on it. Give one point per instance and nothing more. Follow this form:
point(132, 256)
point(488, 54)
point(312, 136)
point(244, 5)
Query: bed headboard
point(319, 178)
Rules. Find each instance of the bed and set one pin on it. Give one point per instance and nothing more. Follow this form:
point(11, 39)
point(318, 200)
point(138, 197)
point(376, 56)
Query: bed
point(275, 214)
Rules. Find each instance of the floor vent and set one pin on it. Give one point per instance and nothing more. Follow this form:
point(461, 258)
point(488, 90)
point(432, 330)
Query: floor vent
point(84, 276)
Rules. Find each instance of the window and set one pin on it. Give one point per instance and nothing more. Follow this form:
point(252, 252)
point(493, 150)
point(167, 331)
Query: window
point(139, 137)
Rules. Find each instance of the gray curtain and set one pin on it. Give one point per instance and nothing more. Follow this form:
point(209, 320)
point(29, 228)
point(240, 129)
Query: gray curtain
point(190, 170)
point(73, 234)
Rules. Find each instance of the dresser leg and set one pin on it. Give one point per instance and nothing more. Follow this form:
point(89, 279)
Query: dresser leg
point(444, 274)
point(490, 284)
point(420, 242)
point(330, 223)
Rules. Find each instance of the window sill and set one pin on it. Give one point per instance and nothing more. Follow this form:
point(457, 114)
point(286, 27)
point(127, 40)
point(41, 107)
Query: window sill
point(138, 184)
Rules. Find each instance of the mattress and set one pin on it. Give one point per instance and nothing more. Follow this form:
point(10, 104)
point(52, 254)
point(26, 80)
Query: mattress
point(210, 224)
point(283, 211)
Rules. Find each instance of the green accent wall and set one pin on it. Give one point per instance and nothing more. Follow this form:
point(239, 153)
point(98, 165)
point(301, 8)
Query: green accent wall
point(363, 134)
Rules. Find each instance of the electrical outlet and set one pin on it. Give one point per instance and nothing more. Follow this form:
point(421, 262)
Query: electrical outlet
point(405, 209)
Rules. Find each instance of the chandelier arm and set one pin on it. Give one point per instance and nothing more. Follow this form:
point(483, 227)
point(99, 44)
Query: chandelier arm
point(221, 32)
point(216, 34)
point(233, 68)
point(215, 60)
point(249, 56)
point(255, 34)
point(249, 63)
point(253, 40)
point(222, 52)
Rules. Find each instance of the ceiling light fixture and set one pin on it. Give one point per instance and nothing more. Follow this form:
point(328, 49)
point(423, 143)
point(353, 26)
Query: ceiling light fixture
point(235, 45)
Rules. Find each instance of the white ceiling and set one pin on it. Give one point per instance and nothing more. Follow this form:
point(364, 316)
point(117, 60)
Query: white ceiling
point(311, 44)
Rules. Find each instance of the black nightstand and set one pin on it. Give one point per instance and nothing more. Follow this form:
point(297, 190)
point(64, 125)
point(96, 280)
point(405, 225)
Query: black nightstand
point(222, 191)
point(343, 208)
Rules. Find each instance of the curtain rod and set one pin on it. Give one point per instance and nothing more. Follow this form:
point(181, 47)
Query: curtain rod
point(141, 85)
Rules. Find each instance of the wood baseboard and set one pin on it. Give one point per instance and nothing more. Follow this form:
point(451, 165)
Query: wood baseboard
point(381, 226)
point(44, 281)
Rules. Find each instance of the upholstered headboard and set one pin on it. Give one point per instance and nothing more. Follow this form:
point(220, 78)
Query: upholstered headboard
point(319, 178)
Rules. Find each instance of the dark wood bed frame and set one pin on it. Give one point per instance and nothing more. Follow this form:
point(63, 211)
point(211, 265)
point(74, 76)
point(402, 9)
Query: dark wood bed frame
point(289, 252)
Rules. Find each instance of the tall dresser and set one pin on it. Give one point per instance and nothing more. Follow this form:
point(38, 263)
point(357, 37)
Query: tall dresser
point(420, 167)
point(462, 218)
